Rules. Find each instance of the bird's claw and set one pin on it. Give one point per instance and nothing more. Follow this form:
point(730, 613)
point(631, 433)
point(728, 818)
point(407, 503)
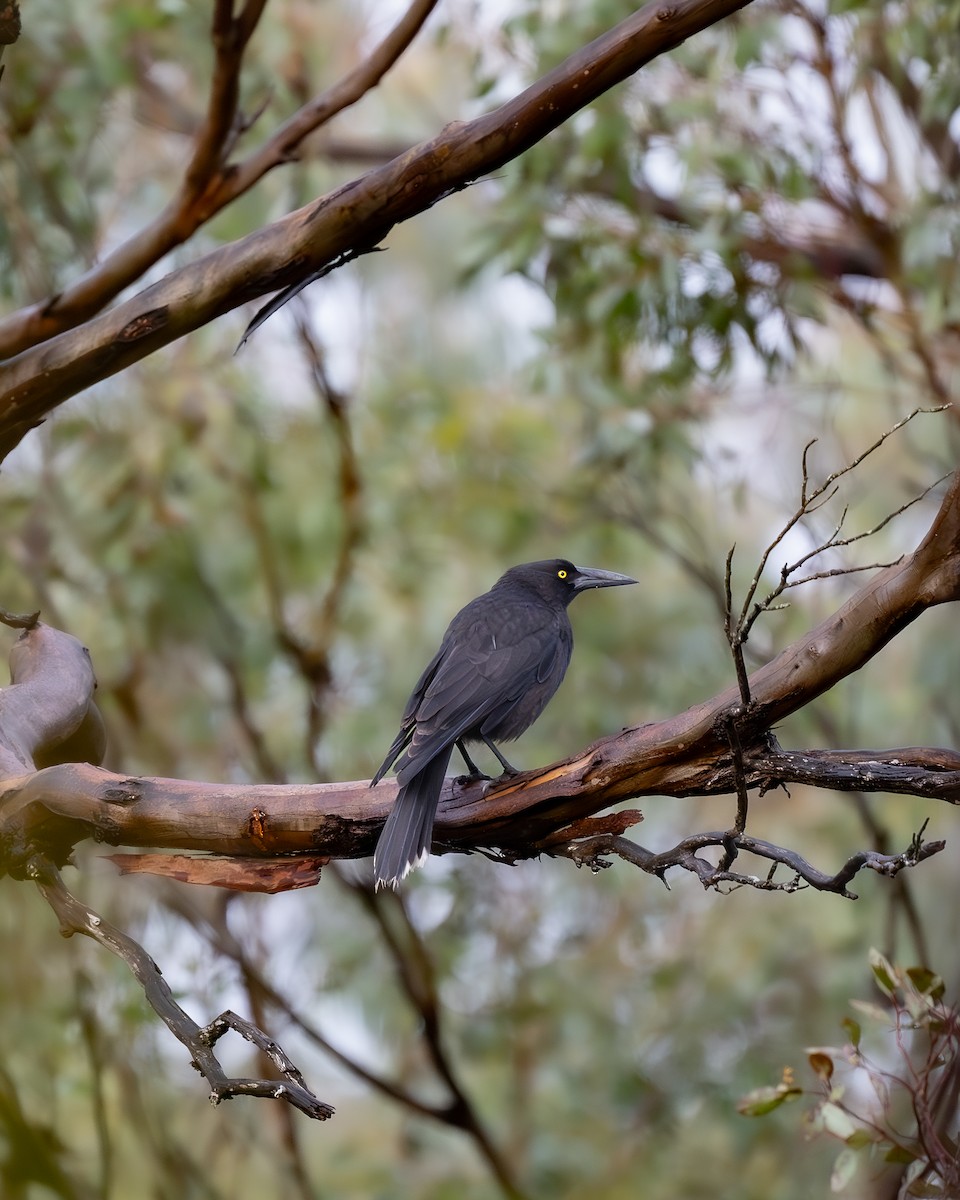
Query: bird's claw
point(473, 777)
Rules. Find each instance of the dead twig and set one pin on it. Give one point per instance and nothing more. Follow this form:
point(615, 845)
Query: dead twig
point(76, 917)
point(687, 856)
point(738, 626)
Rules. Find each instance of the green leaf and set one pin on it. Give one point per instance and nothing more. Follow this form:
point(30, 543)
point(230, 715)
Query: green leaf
point(926, 1189)
point(902, 1154)
point(853, 1030)
point(927, 982)
point(884, 974)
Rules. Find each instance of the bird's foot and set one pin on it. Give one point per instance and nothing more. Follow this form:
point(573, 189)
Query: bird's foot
point(473, 777)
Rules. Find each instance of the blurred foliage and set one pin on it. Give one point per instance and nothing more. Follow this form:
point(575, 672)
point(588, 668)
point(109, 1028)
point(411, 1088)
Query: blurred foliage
point(862, 1097)
point(616, 351)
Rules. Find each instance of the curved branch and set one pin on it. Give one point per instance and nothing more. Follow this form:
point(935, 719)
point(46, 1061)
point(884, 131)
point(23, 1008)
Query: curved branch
point(684, 755)
point(356, 216)
point(47, 715)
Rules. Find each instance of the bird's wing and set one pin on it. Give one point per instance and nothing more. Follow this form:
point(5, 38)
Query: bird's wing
point(486, 663)
point(408, 720)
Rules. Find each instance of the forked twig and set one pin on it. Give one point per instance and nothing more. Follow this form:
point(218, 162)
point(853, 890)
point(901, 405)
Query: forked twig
point(76, 917)
point(686, 855)
point(812, 498)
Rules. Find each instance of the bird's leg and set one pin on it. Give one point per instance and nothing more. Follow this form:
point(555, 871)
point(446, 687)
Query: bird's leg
point(507, 768)
point(474, 770)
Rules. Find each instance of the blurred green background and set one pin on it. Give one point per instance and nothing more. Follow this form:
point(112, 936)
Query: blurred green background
point(615, 351)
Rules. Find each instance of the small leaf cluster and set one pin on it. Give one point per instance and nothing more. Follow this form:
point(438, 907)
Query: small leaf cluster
point(893, 1105)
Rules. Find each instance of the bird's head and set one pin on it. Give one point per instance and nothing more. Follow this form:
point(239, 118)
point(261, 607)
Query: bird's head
point(559, 579)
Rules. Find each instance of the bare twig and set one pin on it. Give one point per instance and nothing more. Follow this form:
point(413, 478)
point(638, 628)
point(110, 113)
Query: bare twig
point(812, 497)
point(731, 846)
point(833, 542)
point(686, 855)
point(732, 631)
point(76, 917)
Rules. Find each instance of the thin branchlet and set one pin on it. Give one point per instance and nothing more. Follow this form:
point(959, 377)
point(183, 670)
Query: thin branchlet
point(687, 855)
point(812, 498)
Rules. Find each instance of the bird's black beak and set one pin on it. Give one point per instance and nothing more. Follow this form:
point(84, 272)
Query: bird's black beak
point(590, 577)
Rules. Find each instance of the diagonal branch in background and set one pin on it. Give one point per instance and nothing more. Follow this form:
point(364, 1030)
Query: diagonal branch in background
point(355, 216)
point(416, 976)
point(687, 754)
point(209, 183)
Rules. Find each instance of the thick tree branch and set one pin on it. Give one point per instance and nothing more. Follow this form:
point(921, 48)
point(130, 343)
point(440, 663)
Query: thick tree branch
point(687, 754)
point(719, 746)
point(356, 216)
point(47, 715)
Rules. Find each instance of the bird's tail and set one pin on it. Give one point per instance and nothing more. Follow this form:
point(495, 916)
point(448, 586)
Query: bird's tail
point(406, 837)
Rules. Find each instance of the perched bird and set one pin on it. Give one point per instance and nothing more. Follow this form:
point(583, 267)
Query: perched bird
point(501, 659)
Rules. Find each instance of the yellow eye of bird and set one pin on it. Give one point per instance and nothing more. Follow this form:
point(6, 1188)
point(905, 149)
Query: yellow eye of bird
point(561, 574)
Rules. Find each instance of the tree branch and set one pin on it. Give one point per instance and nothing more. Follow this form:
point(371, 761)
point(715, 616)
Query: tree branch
point(210, 184)
point(683, 755)
point(417, 979)
point(48, 715)
point(686, 856)
point(356, 216)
